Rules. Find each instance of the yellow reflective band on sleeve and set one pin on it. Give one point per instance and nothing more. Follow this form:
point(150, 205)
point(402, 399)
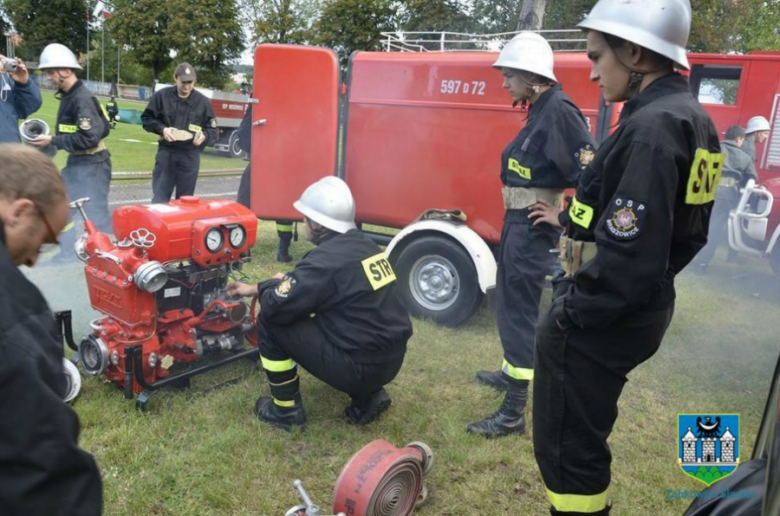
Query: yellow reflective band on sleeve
point(522, 171)
point(286, 404)
point(378, 271)
point(195, 128)
point(577, 503)
point(284, 228)
point(105, 113)
point(518, 373)
point(67, 128)
point(68, 227)
point(704, 178)
point(277, 366)
point(580, 213)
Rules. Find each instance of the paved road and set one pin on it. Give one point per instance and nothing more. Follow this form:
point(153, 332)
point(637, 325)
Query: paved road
point(123, 193)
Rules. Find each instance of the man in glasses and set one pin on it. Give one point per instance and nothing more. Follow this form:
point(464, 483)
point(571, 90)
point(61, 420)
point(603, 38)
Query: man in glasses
point(185, 122)
point(42, 469)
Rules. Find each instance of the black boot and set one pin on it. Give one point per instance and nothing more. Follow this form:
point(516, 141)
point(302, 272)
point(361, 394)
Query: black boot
point(283, 254)
point(284, 408)
point(286, 418)
point(363, 411)
point(510, 417)
point(495, 379)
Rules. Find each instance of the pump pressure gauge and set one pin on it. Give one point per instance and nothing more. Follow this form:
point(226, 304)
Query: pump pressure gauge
point(237, 236)
point(214, 240)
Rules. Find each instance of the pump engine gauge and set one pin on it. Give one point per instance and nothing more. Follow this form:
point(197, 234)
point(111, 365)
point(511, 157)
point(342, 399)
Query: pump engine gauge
point(214, 240)
point(237, 236)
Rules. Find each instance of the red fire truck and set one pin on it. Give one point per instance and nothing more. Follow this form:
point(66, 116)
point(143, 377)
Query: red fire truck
point(229, 109)
point(413, 131)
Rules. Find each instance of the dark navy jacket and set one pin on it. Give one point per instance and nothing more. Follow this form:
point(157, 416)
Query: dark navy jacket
point(16, 101)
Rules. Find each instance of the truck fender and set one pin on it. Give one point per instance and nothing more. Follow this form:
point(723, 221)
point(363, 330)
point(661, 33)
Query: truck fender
point(478, 250)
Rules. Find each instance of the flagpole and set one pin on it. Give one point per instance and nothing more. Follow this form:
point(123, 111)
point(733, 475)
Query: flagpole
point(103, 50)
point(87, 42)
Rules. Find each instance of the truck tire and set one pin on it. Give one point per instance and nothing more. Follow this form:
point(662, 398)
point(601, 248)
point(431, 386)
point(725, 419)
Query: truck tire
point(438, 280)
point(774, 259)
point(234, 151)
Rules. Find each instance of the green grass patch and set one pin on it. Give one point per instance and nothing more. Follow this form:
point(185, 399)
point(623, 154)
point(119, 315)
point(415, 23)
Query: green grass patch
point(132, 148)
point(206, 454)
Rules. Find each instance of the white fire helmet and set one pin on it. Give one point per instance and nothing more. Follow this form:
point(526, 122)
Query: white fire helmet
point(56, 55)
point(662, 26)
point(329, 203)
point(530, 52)
point(757, 123)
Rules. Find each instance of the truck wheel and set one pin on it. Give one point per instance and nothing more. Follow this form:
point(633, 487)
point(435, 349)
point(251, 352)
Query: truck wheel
point(774, 259)
point(234, 151)
point(438, 280)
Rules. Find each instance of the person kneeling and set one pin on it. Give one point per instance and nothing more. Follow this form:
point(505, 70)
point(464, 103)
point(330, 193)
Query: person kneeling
point(337, 314)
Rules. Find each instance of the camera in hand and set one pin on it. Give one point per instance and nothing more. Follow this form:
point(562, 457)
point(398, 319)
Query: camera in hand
point(9, 65)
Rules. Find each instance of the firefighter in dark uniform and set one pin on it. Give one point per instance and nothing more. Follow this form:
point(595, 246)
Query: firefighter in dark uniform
point(337, 314)
point(738, 169)
point(757, 131)
point(545, 158)
point(113, 111)
point(284, 228)
point(640, 215)
point(80, 130)
point(185, 122)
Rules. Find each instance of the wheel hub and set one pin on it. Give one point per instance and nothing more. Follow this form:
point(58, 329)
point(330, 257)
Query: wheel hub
point(434, 282)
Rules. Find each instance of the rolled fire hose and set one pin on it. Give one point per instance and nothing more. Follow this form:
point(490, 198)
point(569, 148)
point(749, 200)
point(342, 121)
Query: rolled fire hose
point(72, 380)
point(31, 129)
point(382, 480)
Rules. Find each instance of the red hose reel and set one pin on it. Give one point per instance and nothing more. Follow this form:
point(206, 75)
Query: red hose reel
point(379, 480)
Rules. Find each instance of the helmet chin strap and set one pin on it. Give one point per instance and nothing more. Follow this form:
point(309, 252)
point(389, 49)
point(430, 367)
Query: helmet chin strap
point(635, 77)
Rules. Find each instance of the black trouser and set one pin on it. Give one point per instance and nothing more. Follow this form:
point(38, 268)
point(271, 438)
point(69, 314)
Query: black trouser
point(719, 225)
point(244, 187)
point(174, 169)
point(86, 176)
point(523, 263)
point(282, 346)
point(579, 376)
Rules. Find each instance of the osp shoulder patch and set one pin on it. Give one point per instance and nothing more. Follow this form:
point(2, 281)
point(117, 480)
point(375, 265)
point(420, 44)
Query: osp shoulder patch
point(585, 155)
point(85, 124)
point(378, 271)
point(285, 286)
point(626, 220)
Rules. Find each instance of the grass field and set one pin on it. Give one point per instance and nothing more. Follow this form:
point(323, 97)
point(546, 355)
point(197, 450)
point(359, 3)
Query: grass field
point(132, 148)
point(198, 452)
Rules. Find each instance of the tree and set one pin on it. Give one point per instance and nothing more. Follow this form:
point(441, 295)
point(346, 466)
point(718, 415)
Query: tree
point(494, 16)
point(206, 33)
point(350, 25)
point(40, 22)
point(281, 21)
point(531, 15)
point(142, 25)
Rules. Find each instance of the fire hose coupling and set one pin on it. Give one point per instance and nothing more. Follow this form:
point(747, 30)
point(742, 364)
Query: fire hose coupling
point(308, 508)
point(151, 276)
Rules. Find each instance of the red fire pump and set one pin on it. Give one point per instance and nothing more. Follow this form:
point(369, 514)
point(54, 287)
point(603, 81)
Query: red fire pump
point(379, 480)
point(161, 285)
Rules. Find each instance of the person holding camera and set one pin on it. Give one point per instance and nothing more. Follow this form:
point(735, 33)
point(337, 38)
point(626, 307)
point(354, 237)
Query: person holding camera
point(19, 97)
